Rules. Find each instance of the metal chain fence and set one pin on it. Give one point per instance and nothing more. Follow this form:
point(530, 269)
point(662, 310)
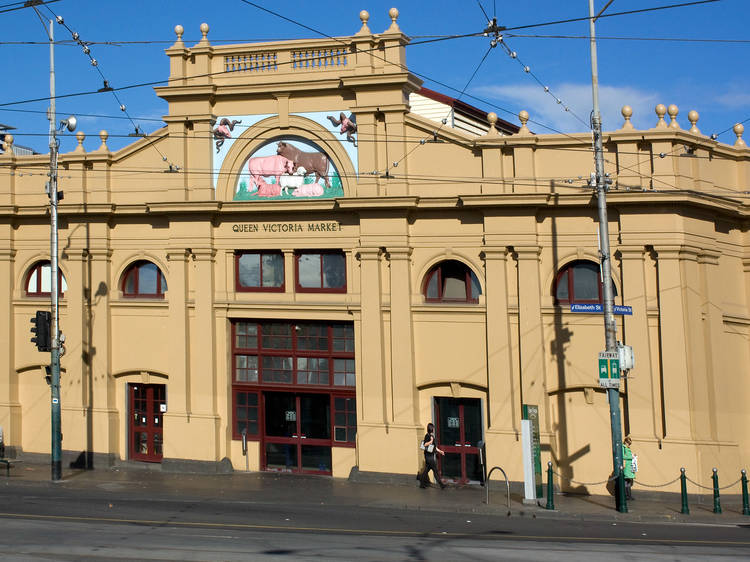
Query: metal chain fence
point(711, 487)
point(610, 479)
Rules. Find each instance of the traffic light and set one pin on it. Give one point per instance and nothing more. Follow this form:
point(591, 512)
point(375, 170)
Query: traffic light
point(41, 330)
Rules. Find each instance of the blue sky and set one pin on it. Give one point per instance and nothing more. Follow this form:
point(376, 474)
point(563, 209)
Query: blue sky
point(710, 77)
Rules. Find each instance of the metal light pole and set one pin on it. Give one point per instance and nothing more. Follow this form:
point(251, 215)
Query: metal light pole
point(610, 328)
point(55, 336)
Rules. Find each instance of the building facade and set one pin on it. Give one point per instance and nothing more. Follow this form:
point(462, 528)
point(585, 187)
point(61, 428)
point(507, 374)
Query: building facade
point(302, 263)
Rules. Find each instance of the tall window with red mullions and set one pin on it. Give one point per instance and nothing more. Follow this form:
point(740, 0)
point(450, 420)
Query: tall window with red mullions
point(295, 357)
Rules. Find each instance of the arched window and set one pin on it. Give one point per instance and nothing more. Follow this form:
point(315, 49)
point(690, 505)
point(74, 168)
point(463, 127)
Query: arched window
point(143, 279)
point(39, 280)
point(580, 282)
point(451, 281)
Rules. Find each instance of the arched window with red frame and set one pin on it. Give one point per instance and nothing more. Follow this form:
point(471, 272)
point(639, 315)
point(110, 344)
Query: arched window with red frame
point(143, 279)
point(580, 282)
point(39, 280)
point(451, 281)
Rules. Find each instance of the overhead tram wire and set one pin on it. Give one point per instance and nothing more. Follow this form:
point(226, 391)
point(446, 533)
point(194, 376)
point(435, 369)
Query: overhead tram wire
point(616, 38)
point(373, 52)
point(615, 14)
point(442, 84)
point(25, 4)
point(461, 93)
point(107, 88)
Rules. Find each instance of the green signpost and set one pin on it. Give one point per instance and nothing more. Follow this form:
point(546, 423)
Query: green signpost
point(531, 413)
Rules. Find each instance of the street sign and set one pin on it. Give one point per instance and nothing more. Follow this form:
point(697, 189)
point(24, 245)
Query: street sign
point(609, 369)
point(596, 308)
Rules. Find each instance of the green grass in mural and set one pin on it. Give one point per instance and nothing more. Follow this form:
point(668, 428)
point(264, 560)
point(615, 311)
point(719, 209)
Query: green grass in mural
point(335, 190)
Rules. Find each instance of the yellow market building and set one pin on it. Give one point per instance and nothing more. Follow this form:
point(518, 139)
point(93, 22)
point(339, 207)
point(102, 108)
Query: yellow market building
point(340, 256)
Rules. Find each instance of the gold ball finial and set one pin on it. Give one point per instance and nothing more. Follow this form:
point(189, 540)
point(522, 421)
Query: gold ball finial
point(204, 29)
point(8, 144)
point(393, 13)
point(523, 117)
point(179, 30)
point(673, 110)
point(104, 135)
point(364, 17)
point(693, 117)
point(661, 111)
point(627, 113)
point(80, 136)
point(492, 118)
point(738, 129)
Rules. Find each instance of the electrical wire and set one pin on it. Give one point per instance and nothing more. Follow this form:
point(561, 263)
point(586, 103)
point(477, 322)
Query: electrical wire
point(629, 12)
point(106, 87)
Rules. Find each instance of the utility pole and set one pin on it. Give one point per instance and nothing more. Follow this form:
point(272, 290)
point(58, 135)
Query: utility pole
point(56, 337)
point(610, 328)
point(54, 268)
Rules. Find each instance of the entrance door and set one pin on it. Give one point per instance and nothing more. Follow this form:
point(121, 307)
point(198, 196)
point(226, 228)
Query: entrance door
point(459, 430)
point(146, 431)
point(297, 432)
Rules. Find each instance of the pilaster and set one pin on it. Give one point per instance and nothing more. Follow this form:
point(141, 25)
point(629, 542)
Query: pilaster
point(502, 384)
point(405, 407)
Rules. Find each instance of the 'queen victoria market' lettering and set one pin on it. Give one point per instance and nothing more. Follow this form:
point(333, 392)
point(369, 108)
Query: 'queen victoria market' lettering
point(282, 227)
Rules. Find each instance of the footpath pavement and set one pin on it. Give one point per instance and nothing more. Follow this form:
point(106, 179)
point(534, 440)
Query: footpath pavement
point(136, 481)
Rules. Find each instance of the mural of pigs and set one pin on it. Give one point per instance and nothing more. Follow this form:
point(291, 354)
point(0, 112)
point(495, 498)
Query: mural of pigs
point(268, 166)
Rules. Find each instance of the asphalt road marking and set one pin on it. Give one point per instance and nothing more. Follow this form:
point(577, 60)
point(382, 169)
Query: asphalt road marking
point(250, 526)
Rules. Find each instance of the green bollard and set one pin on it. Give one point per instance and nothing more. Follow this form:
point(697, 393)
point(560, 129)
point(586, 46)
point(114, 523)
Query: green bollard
point(745, 503)
point(621, 502)
point(717, 500)
point(683, 492)
point(550, 489)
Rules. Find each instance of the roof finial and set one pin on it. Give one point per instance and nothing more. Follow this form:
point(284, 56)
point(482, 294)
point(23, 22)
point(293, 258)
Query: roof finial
point(523, 117)
point(393, 13)
point(738, 129)
point(80, 135)
point(661, 111)
point(179, 30)
point(204, 31)
point(673, 110)
point(364, 16)
point(627, 113)
point(693, 117)
point(8, 144)
point(492, 118)
point(104, 135)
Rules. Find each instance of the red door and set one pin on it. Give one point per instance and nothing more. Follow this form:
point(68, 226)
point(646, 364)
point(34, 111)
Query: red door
point(147, 405)
point(459, 430)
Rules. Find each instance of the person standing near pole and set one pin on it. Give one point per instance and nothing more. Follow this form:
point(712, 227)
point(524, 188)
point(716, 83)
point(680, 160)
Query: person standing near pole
point(431, 451)
point(628, 467)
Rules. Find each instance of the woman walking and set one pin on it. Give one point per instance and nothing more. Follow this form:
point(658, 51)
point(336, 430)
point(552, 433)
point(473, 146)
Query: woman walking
point(431, 451)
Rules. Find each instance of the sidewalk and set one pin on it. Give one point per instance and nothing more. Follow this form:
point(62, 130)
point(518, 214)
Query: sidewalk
point(259, 488)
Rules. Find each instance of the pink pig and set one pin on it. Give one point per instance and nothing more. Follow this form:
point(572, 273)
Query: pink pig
point(268, 166)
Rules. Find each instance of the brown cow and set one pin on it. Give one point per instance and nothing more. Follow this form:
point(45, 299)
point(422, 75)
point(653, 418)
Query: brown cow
point(316, 162)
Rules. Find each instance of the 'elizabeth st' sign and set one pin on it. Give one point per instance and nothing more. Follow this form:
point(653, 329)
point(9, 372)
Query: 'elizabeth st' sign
point(596, 308)
point(286, 227)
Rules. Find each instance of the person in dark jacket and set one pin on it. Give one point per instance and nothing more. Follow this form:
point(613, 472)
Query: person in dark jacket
point(431, 451)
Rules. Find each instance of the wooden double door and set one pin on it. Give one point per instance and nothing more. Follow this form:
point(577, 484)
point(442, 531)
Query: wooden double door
point(147, 404)
point(459, 431)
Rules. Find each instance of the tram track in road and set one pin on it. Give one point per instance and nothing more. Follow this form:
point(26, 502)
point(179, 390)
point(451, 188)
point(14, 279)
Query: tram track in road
point(496, 535)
